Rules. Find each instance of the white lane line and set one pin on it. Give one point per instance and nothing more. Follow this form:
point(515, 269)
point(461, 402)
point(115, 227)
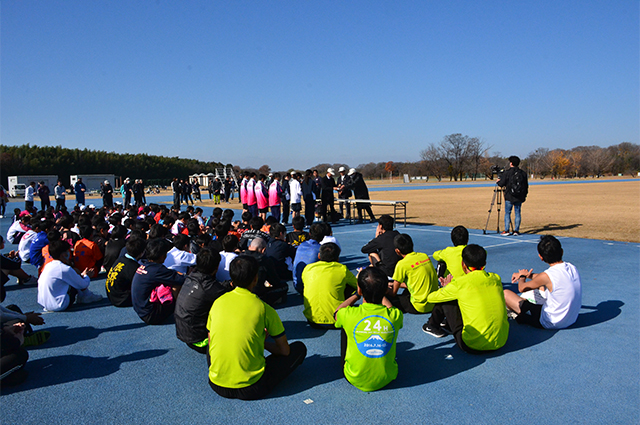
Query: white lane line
point(503, 244)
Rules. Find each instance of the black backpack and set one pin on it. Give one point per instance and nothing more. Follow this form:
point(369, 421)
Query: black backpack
point(518, 186)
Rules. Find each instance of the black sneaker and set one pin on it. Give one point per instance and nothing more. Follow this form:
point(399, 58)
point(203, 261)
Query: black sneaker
point(516, 233)
point(438, 333)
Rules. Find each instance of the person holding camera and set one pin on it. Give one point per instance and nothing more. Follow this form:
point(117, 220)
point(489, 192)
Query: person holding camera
point(516, 188)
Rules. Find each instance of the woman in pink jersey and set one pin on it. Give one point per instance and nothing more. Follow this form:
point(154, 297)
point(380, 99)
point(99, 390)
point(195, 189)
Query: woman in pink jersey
point(262, 196)
point(275, 192)
point(252, 205)
point(243, 192)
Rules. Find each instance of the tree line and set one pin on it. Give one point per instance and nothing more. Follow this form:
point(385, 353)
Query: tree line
point(63, 162)
point(457, 157)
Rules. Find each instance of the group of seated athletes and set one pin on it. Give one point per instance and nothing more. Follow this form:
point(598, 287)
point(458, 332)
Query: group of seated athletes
point(220, 279)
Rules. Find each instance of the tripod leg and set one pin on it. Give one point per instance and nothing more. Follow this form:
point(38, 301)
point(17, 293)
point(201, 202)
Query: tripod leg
point(493, 200)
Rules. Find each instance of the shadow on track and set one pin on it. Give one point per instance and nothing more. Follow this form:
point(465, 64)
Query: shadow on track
point(68, 368)
point(314, 371)
point(62, 336)
point(603, 312)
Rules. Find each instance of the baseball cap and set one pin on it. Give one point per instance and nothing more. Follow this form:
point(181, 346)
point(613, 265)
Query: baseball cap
point(352, 171)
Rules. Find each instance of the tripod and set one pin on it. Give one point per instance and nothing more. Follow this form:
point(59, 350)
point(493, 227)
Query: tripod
point(498, 194)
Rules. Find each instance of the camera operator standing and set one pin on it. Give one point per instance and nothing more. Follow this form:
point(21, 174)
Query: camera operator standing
point(516, 188)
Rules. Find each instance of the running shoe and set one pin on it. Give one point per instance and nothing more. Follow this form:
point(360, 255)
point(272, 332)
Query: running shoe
point(438, 333)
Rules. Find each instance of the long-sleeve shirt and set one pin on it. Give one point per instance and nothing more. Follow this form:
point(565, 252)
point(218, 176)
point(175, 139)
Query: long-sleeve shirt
point(54, 282)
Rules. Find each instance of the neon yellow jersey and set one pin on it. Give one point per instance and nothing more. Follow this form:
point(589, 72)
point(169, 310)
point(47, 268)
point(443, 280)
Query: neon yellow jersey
point(418, 273)
point(372, 331)
point(324, 285)
point(484, 314)
point(453, 257)
point(236, 324)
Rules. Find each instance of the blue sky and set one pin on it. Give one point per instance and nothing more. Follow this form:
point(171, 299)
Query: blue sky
point(296, 83)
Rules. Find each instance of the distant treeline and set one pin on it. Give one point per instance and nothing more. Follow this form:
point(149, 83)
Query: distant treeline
point(63, 162)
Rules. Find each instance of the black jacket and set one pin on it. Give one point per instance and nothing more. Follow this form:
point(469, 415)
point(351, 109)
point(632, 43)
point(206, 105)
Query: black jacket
point(346, 192)
point(195, 299)
point(327, 184)
point(384, 246)
point(359, 187)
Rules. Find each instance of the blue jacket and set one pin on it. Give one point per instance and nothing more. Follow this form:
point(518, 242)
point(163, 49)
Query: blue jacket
point(35, 253)
point(307, 253)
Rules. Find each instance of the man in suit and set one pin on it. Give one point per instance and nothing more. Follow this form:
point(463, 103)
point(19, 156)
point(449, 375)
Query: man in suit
point(360, 191)
point(327, 185)
point(343, 192)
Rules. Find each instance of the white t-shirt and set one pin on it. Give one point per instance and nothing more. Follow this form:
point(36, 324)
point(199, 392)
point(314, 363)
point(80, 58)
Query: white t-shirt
point(14, 230)
point(223, 268)
point(54, 283)
point(24, 247)
point(562, 305)
point(179, 260)
point(296, 191)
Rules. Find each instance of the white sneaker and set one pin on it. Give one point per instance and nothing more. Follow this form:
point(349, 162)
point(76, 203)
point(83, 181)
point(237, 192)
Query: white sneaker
point(88, 297)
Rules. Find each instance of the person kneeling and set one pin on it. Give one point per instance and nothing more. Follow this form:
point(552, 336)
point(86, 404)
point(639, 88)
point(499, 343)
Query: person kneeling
point(369, 351)
point(238, 325)
point(473, 305)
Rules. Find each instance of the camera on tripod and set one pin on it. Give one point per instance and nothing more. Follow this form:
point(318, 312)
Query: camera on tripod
point(497, 170)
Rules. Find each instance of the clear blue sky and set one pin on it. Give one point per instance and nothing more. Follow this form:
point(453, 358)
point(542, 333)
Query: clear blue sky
point(296, 83)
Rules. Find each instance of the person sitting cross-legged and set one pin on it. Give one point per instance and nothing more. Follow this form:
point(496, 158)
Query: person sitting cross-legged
point(473, 306)
point(415, 273)
point(59, 285)
point(239, 323)
point(327, 283)
point(154, 287)
point(450, 258)
point(200, 290)
point(554, 297)
point(370, 332)
point(120, 276)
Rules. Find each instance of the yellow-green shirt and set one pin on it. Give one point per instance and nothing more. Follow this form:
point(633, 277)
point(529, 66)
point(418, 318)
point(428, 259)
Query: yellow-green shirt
point(324, 285)
point(372, 331)
point(236, 324)
point(453, 257)
point(484, 314)
point(418, 273)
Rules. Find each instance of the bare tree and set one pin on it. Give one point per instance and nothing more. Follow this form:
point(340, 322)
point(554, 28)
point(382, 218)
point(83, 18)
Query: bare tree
point(477, 152)
point(434, 162)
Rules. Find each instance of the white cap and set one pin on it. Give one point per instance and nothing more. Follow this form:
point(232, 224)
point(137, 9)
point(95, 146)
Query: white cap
point(106, 182)
point(293, 173)
point(352, 171)
point(341, 169)
point(330, 171)
point(93, 207)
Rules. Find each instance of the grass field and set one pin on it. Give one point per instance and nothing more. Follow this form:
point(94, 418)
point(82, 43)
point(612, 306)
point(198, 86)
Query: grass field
point(598, 210)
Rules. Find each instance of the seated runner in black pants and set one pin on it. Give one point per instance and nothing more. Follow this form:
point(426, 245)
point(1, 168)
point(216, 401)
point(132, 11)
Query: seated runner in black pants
point(238, 325)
